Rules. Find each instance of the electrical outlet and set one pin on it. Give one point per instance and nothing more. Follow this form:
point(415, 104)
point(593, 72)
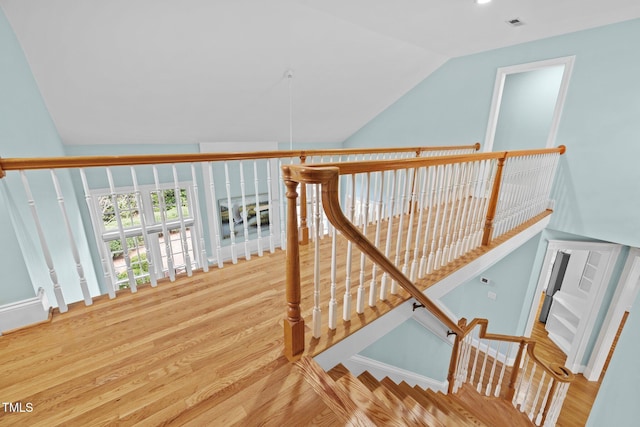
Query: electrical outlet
point(492, 295)
point(485, 280)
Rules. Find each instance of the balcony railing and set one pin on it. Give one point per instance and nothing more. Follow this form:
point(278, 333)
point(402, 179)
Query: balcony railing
point(409, 220)
point(92, 225)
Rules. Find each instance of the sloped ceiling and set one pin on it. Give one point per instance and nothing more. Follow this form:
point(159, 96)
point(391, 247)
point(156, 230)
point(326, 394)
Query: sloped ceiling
point(167, 71)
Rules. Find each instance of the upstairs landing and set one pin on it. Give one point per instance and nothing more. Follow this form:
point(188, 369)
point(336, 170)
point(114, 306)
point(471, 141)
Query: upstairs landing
point(202, 349)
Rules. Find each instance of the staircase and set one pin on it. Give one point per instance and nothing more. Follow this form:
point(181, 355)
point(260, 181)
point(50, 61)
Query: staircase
point(366, 401)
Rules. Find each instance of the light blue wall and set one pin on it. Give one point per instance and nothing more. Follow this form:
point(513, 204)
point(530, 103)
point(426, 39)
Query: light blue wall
point(26, 130)
point(597, 191)
point(526, 111)
point(414, 348)
point(617, 400)
point(509, 280)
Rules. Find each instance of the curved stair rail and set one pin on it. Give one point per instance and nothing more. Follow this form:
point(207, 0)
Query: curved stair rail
point(460, 205)
point(507, 367)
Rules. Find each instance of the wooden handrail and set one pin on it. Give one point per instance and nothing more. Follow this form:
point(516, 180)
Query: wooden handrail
point(349, 168)
point(556, 371)
point(328, 177)
point(27, 163)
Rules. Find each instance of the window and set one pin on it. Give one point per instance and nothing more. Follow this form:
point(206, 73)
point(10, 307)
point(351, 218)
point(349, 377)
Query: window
point(154, 229)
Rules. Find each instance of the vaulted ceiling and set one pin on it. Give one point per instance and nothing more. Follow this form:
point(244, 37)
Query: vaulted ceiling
point(168, 71)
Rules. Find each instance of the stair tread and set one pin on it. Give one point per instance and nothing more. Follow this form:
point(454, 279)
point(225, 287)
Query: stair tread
point(367, 401)
point(410, 403)
point(432, 404)
point(389, 399)
point(385, 402)
point(491, 410)
point(472, 417)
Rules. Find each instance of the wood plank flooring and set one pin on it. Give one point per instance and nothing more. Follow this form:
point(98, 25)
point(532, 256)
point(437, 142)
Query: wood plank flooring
point(205, 350)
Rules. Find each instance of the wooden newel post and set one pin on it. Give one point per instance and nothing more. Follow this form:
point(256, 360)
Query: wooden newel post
point(304, 228)
point(493, 204)
point(293, 323)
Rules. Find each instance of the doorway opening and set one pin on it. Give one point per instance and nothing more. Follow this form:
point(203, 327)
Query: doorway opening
point(576, 301)
point(527, 104)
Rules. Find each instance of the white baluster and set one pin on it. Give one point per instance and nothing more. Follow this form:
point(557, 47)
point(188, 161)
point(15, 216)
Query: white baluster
point(125, 246)
point(461, 212)
point(439, 184)
point(142, 214)
point(411, 181)
point(373, 291)
point(532, 411)
point(502, 370)
point(333, 303)
point(430, 189)
point(183, 229)
point(363, 257)
point(451, 195)
point(389, 215)
point(96, 219)
point(545, 398)
point(471, 209)
point(317, 314)
point(231, 219)
point(523, 404)
point(484, 366)
point(475, 361)
point(468, 373)
point(346, 307)
point(558, 400)
point(214, 220)
point(422, 191)
point(197, 213)
point(57, 289)
point(258, 208)
point(281, 203)
point(272, 247)
point(245, 226)
point(406, 189)
point(165, 230)
point(517, 396)
point(493, 369)
point(439, 258)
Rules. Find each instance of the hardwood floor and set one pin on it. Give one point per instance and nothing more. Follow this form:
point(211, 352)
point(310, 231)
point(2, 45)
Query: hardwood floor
point(205, 350)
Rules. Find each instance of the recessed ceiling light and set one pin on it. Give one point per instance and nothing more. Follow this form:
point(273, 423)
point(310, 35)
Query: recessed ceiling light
point(483, 1)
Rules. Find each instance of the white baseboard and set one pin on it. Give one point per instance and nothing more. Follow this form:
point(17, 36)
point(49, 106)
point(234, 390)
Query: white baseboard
point(357, 364)
point(24, 313)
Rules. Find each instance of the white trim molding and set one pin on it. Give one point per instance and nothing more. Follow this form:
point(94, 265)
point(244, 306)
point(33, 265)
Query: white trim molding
point(498, 90)
point(24, 313)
